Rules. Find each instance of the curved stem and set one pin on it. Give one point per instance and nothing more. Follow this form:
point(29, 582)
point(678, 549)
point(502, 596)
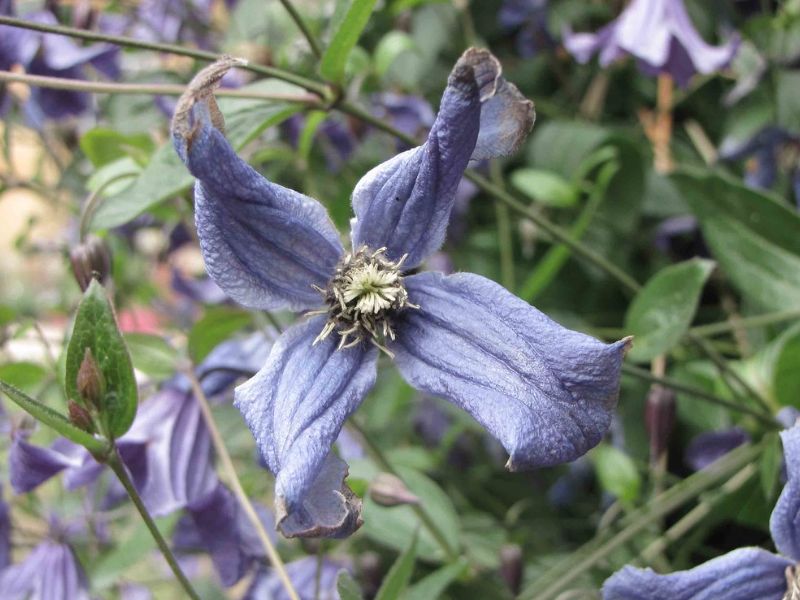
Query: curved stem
point(301, 25)
point(128, 42)
point(122, 474)
point(420, 511)
point(233, 480)
point(155, 89)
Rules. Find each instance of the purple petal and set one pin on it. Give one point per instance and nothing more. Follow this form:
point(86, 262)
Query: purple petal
point(5, 533)
point(49, 572)
point(708, 447)
point(704, 57)
point(583, 46)
point(744, 574)
point(263, 244)
point(545, 392)
point(30, 465)
point(643, 31)
point(404, 204)
point(506, 119)
point(784, 524)
point(787, 416)
point(303, 574)
point(297, 403)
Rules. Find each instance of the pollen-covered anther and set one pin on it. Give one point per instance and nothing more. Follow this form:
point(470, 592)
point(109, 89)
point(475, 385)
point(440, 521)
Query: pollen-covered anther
point(364, 294)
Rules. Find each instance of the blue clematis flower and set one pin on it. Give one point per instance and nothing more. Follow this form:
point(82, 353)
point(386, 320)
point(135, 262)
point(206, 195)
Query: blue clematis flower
point(660, 35)
point(547, 393)
point(49, 571)
point(743, 574)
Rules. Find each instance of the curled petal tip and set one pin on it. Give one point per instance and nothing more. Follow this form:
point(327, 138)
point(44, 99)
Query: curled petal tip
point(627, 345)
point(480, 66)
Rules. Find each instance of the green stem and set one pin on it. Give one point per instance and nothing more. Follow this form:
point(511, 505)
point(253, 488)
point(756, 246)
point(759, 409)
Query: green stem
point(122, 474)
point(746, 322)
point(676, 385)
point(563, 573)
point(504, 234)
point(157, 89)
point(301, 25)
point(420, 511)
point(233, 480)
point(128, 42)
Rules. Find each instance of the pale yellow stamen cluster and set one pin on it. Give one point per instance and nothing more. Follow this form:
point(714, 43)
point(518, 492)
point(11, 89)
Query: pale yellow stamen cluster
point(364, 294)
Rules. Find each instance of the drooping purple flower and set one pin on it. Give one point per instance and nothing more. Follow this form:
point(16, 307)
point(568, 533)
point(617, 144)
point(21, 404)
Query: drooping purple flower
point(660, 35)
point(49, 572)
point(5, 533)
point(544, 391)
point(710, 446)
point(304, 576)
point(743, 574)
point(55, 56)
point(529, 19)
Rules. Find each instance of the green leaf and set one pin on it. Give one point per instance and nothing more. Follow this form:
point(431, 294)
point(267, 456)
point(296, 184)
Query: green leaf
point(57, 421)
point(787, 99)
point(434, 585)
point(396, 580)
point(754, 237)
point(22, 374)
point(562, 146)
point(663, 310)
point(96, 329)
point(165, 176)
point(785, 371)
point(151, 354)
point(313, 120)
point(344, 39)
point(216, 326)
point(347, 587)
point(391, 46)
point(616, 472)
point(102, 146)
point(546, 187)
point(770, 466)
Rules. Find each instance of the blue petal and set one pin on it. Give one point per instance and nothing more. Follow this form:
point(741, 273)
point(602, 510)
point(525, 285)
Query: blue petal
point(710, 446)
point(547, 393)
point(5, 533)
point(784, 524)
point(30, 465)
point(263, 244)
point(405, 203)
point(49, 572)
point(744, 574)
point(311, 578)
point(296, 405)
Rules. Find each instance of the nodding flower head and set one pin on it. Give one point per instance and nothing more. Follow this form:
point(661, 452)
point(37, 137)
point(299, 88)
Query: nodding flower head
point(547, 393)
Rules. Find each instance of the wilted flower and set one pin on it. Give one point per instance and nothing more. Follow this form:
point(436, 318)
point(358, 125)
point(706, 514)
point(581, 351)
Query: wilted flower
point(55, 56)
point(544, 391)
point(743, 574)
point(660, 35)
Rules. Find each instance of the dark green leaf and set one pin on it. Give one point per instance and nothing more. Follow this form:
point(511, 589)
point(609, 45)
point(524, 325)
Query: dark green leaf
point(437, 582)
point(616, 472)
point(57, 421)
point(770, 466)
point(786, 370)
point(151, 354)
point(396, 580)
point(347, 587)
point(217, 325)
point(754, 237)
point(344, 39)
point(96, 329)
point(663, 310)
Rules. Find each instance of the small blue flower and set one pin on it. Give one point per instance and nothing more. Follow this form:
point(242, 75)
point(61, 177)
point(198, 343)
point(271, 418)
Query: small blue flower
point(547, 393)
point(743, 574)
point(660, 35)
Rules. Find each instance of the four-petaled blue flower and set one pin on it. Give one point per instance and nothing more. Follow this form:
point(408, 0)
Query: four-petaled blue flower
point(547, 393)
point(743, 574)
point(660, 35)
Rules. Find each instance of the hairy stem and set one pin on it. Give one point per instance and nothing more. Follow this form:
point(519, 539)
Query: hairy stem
point(128, 42)
point(420, 511)
point(122, 474)
point(233, 480)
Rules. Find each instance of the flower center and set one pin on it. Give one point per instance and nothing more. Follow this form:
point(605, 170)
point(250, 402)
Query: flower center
point(362, 297)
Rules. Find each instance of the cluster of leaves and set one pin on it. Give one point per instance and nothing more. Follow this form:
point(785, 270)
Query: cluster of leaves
point(591, 237)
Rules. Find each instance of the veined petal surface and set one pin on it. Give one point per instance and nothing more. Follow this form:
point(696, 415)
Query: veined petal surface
point(545, 392)
point(784, 524)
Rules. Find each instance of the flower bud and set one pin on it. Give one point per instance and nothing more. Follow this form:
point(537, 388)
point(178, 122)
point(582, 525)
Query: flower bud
point(511, 566)
point(90, 259)
point(389, 490)
point(79, 416)
point(90, 381)
point(659, 417)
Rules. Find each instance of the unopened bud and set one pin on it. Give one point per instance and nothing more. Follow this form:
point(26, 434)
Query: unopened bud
point(90, 381)
point(389, 490)
point(511, 566)
point(659, 418)
point(90, 259)
point(79, 416)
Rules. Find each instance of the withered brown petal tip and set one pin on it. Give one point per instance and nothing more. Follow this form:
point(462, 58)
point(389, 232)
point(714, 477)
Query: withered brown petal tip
point(480, 66)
